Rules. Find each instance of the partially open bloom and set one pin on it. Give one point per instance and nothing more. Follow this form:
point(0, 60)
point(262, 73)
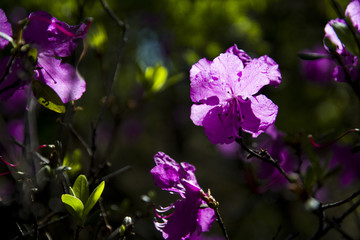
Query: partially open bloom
point(52, 40)
point(224, 92)
point(350, 61)
point(187, 219)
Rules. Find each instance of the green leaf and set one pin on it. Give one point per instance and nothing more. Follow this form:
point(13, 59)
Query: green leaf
point(97, 37)
point(312, 56)
point(72, 193)
point(47, 97)
point(94, 197)
point(309, 179)
point(317, 169)
point(330, 45)
point(81, 188)
point(159, 78)
point(74, 206)
point(73, 162)
point(346, 37)
point(153, 79)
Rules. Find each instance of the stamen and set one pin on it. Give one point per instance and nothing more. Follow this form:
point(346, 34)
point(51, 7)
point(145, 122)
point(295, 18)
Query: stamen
point(160, 216)
point(7, 163)
point(333, 141)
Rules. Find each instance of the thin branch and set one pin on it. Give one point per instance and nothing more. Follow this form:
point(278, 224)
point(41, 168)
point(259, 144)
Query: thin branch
point(339, 203)
point(41, 226)
point(266, 157)
point(117, 172)
point(78, 136)
point(213, 204)
point(221, 223)
point(124, 27)
point(113, 15)
point(335, 223)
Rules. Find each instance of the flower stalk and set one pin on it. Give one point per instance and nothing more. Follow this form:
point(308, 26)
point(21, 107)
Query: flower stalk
point(213, 204)
point(266, 157)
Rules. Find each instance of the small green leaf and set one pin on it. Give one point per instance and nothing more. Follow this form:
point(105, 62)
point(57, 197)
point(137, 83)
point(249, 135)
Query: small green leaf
point(160, 75)
point(47, 97)
point(153, 79)
point(74, 206)
point(94, 197)
point(312, 56)
point(81, 188)
point(73, 162)
point(97, 38)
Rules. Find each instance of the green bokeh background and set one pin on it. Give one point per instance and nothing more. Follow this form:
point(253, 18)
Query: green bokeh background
point(176, 34)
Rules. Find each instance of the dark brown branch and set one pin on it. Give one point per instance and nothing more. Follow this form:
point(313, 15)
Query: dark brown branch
point(266, 157)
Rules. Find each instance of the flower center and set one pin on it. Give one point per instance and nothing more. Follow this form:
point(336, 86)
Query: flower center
point(234, 110)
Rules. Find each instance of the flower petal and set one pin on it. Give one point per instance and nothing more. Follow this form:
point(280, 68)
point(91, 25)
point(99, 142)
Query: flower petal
point(331, 34)
point(188, 173)
point(51, 36)
point(202, 86)
point(166, 177)
point(199, 112)
point(61, 77)
point(206, 218)
point(258, 73)
point(227, 68)
point(240, 54)
point(183, 222)
point(259, 113)
point(168, 174)
point(5, 27)
point(220, 125)
point(353, 12)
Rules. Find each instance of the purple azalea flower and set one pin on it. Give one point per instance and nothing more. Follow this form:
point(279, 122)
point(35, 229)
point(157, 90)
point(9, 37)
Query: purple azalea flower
point(224, 95)
point(187, 219)
point(350, 61)
point(53, 40)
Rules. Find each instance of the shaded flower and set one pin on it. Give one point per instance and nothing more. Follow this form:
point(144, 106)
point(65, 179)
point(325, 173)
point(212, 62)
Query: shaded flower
point(53, 40)
point(348, 161)
point(319, 70)
point(188, 218)
point(224, 95)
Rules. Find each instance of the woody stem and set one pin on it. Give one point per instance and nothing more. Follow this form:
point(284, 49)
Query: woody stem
point(264, 156)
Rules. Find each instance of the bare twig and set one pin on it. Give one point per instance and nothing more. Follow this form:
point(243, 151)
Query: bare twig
point(266, 157)
point(124, 27)
point(117, 172)
point(339, 203)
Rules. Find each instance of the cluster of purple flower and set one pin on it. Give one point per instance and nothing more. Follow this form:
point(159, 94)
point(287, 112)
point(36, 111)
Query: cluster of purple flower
point(226, 103)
